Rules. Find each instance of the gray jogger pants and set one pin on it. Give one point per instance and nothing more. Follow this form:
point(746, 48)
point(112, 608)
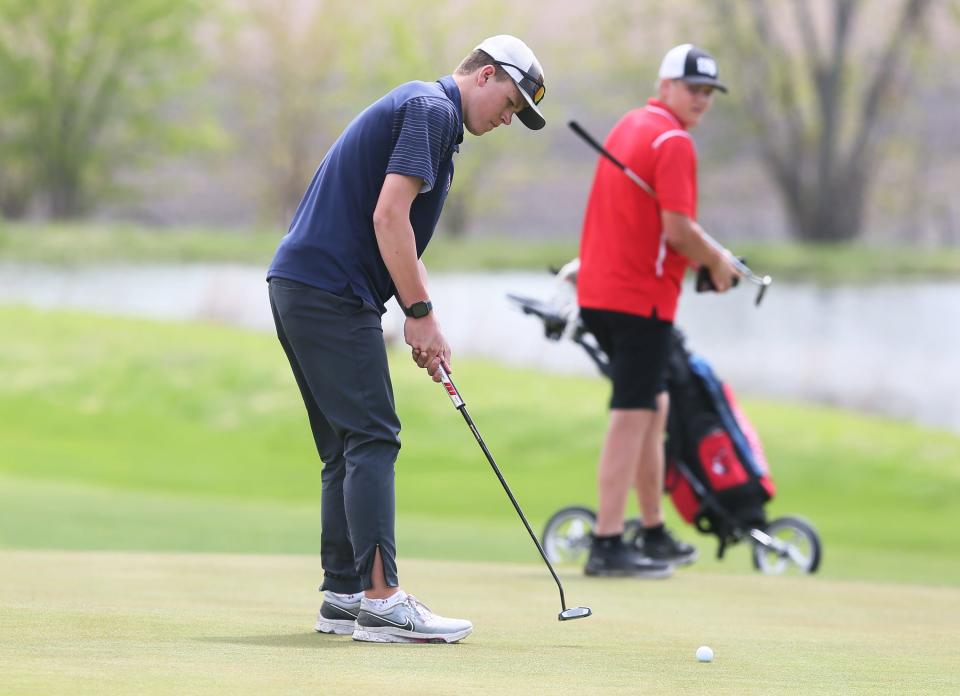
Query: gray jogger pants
point(336, 351)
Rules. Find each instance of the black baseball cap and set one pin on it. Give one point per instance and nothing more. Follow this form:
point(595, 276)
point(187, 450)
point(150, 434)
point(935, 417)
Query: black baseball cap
point(691, 64)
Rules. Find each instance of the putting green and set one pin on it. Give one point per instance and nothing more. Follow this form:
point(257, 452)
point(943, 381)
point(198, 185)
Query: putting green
point(107, 622)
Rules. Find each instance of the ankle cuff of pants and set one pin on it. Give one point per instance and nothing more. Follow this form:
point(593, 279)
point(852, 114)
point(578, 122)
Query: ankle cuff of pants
point(342, 584)
point(366, 560)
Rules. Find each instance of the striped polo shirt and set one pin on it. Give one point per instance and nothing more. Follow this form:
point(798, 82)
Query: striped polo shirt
point(414, 130)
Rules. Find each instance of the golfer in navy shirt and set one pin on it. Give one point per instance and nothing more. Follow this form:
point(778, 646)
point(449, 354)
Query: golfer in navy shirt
point(355, 242)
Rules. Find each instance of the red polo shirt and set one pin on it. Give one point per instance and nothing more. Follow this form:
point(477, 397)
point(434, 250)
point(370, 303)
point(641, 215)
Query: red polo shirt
point(625, 262)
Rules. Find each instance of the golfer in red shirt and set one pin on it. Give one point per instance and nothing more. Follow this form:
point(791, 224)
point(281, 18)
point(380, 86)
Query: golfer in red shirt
point(633, 254)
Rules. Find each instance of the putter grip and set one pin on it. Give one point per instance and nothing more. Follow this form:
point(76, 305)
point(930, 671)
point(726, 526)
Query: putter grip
point(451, 388)
point(705, 282)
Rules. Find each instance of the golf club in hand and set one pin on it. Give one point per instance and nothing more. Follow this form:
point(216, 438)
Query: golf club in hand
point(565, 614)
point(763, 282)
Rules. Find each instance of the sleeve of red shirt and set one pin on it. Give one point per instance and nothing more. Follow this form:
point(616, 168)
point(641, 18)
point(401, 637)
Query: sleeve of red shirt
point(675, 175)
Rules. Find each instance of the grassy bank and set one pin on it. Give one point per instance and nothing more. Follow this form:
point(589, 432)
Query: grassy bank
point(121, 434)
point(116, 243)
point(73, 244)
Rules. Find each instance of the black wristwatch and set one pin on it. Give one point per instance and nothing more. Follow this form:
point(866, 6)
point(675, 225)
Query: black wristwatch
point(418, 310)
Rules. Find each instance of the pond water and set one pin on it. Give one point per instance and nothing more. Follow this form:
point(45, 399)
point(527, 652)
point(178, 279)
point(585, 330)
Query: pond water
point(891, 349)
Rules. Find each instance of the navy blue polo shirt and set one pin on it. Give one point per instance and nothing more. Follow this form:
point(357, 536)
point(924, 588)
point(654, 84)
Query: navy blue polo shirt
point(414, 130)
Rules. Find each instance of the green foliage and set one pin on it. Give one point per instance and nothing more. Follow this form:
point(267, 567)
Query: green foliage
point(301, 73)
point(429, 47)
point(286, 67)
point(141, 435)
point(88, 86)
point(629, 41)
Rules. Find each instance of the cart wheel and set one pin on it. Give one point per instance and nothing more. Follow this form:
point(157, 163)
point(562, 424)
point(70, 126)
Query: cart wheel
point(566, 538)
point(794, 547)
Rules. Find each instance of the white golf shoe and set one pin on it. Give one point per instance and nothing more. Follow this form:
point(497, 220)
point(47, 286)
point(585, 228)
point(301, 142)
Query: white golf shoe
point(337, 615)
point(407, 621)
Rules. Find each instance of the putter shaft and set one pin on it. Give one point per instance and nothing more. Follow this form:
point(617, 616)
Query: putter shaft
point(462, 407)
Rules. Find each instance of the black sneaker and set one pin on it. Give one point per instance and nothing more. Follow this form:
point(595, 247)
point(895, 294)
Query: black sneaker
point(613, 558)
point(662, 546)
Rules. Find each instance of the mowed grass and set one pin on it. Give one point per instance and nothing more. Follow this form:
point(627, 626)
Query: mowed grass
point(136, 435)
point(100, 622)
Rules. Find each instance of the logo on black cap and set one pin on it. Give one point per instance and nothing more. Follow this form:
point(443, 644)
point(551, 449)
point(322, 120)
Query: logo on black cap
point(691, 64)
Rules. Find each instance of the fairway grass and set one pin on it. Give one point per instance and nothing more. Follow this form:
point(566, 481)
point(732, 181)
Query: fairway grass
point(151, 623)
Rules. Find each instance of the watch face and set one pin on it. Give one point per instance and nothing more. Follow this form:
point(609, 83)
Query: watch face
point(419, 309)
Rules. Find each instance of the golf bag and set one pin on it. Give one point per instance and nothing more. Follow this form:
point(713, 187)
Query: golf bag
point(716, 470)
point(717, 474)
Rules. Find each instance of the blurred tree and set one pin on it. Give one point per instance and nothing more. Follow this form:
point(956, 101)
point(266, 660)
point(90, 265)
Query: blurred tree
point(819, 100)
point(427, 48)
point(287, 65)
point(303, 70)
point(630, 38)
point(84, 85)
point(17, 92)
point(16, 188)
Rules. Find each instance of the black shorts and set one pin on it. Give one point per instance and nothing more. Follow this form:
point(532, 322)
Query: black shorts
point(638, 348)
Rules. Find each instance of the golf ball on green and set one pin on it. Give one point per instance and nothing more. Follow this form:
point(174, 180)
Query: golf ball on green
point(705, 653)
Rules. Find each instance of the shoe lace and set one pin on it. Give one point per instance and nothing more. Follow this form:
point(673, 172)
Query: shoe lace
point(421, 609)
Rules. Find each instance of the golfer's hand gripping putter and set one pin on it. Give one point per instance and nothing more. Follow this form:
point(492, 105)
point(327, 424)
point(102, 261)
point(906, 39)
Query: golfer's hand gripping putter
point(705, 280)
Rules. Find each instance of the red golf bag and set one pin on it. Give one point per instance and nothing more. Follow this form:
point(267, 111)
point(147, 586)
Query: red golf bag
point(717, 473)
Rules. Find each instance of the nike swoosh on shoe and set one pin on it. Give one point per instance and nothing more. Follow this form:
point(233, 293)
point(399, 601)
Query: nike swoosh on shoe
point(384, 621)
point(344, 612)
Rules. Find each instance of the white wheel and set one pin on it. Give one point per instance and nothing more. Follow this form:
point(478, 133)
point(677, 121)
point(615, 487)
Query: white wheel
point(566, 537)
point(787, 545)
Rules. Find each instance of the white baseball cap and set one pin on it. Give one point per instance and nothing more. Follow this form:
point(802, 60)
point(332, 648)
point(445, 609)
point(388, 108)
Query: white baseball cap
point(691, 64)
point(516, 58)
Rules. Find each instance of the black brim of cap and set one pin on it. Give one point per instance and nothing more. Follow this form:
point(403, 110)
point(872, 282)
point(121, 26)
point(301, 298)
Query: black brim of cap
point(713, 82)
point(531, 116)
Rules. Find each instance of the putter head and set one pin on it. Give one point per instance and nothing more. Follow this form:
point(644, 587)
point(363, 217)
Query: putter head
point(574, 613)
point(764, 284)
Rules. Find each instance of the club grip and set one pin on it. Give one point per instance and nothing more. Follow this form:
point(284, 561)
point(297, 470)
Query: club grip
point(705, 282)
point(451, 388)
